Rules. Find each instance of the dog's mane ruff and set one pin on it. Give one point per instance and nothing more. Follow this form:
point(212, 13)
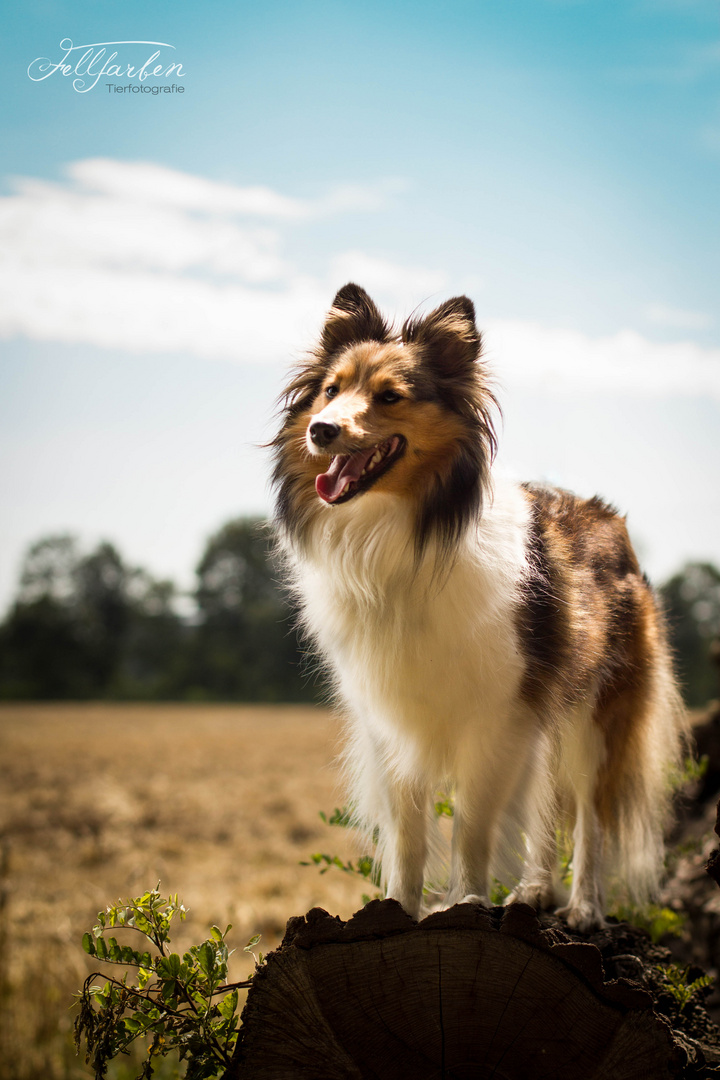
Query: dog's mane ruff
point(369, 556)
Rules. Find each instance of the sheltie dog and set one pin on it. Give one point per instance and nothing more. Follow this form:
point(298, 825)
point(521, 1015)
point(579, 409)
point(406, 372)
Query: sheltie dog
point(488, 637)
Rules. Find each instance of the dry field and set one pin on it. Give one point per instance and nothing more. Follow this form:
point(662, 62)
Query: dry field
point(218, 803)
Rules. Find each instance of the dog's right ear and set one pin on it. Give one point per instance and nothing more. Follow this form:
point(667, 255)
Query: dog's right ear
point(352, 318)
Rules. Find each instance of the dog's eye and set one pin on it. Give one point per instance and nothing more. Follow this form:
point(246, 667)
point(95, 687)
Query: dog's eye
point(389, 397)
point(331, 391)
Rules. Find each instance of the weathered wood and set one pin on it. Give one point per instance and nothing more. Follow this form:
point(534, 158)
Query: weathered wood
point(466, 993)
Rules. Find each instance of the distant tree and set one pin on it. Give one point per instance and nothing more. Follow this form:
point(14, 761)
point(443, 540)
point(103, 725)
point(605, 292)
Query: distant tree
point(87, 626)
point(90, 626)
point(157, 644)
point(246, 646)
point(692, 603)
point(42, 651)
point(103, 610)
point(48, 571)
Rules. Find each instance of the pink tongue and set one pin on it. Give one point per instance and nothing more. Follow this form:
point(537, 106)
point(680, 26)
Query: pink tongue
point(343, 468)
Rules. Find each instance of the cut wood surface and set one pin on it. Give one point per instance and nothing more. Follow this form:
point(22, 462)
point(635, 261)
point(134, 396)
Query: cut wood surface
point(466, 993)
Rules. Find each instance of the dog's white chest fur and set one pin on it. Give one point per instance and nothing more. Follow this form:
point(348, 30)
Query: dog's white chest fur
point(419, 653)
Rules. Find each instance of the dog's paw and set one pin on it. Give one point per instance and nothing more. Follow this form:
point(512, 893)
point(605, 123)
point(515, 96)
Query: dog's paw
point(473, 898)
point(538, 895)
point(468, 898)
point(583, 916)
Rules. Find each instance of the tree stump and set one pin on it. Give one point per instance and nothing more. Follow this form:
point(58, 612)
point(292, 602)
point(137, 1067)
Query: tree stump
point(466, 993)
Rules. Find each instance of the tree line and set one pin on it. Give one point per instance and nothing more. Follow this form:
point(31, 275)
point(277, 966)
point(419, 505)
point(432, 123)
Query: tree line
point(89, 626)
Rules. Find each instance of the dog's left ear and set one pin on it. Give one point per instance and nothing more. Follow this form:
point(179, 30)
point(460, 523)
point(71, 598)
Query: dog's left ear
point(352, 318)
point(450, 335)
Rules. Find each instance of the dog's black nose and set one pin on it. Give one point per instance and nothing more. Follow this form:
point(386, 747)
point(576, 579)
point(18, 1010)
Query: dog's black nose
point(322, 434)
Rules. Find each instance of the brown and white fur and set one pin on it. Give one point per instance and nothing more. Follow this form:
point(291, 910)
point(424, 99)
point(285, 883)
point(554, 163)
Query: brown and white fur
point(493, 637)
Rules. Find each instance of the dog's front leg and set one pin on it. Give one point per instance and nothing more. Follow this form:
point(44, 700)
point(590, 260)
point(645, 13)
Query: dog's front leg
point(470, 865)
point(404, 846)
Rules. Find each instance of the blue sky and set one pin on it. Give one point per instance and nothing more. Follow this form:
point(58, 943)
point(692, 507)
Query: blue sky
point(164, 257)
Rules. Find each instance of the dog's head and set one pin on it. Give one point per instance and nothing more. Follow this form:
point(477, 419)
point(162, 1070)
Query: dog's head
point(407, 415)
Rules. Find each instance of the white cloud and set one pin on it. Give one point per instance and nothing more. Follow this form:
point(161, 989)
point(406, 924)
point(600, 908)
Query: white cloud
point(141, 181)
point(678, 318)
point(49, 225)
point(136, 257)
point(530, 354)
point(139, 311)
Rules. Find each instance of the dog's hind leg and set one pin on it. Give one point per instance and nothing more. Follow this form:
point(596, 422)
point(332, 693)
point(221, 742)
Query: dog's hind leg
point(585, 909)
point(583, 756)
point(486, 784)
point(535, 822)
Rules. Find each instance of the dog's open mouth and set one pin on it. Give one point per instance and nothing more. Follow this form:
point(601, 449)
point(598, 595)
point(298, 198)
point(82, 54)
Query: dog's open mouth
point(350, 474)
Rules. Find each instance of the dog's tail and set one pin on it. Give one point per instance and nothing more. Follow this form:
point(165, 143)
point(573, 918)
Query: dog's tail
point(642, 769)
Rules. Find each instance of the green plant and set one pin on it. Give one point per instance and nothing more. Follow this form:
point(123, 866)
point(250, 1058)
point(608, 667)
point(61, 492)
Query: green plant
point(173, 1003)
point(675, 980)
point(341, 817)
point(498, 892)
point(658, 921)
point(366, 866)
point(691, 770)
point(444, 805)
